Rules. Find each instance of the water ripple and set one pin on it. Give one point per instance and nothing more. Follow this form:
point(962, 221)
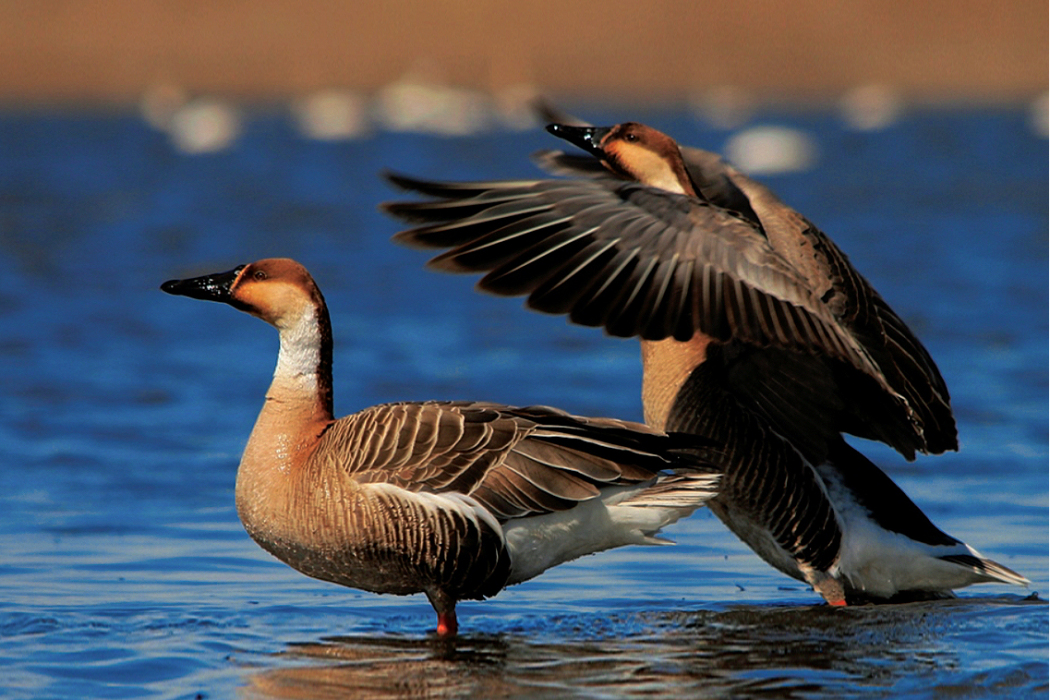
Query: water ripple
point(815, 652)
point(124, 571)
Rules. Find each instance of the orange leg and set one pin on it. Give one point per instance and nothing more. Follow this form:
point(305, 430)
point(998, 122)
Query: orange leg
point(447, 624)
point(445, 607)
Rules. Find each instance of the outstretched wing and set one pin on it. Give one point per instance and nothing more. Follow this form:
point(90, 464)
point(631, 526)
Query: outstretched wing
point(740, 268)
point(632, 259)
point(900, 356)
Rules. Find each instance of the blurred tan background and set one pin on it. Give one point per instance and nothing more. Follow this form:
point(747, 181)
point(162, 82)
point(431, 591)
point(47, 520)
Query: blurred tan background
point(106, 51)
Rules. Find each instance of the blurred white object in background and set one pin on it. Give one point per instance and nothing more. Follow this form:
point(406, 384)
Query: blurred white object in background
point(871, 107)
point(723, 107)
point(420, 102)
point(331, 115)
point(515, 106)
point(771, 149)
point(1039, 115)
point(159, 104)
point(204, 125)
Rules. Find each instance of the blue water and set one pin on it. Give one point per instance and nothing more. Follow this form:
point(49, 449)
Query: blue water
point(124, 572)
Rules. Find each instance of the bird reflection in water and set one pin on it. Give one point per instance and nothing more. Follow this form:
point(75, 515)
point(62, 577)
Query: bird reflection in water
point(768, 652)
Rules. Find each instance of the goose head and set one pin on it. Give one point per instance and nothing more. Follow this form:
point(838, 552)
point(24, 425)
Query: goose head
point(633, 151)
point(277, 290)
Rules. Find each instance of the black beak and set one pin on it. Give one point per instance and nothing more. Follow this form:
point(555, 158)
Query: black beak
point(589, 138)
point(215, 287)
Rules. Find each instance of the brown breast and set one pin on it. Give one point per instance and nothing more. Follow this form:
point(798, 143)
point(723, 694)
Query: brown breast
point(666, 364)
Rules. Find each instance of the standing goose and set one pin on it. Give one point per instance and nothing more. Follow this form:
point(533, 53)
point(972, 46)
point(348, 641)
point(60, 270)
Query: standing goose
point(453, 499)
point(756, 332)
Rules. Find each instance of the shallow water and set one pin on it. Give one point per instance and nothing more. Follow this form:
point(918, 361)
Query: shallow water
point(125, 573)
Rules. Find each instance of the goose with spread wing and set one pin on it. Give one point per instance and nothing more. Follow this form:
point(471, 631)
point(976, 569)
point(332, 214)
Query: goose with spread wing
point(756, 331)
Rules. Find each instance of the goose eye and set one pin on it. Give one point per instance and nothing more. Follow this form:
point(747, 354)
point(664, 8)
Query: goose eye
point(259, 275)
point(630, 137)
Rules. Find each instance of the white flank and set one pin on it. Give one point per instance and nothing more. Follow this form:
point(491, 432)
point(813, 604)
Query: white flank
point(621, 516)
point(882, 563)
point(442, 503)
